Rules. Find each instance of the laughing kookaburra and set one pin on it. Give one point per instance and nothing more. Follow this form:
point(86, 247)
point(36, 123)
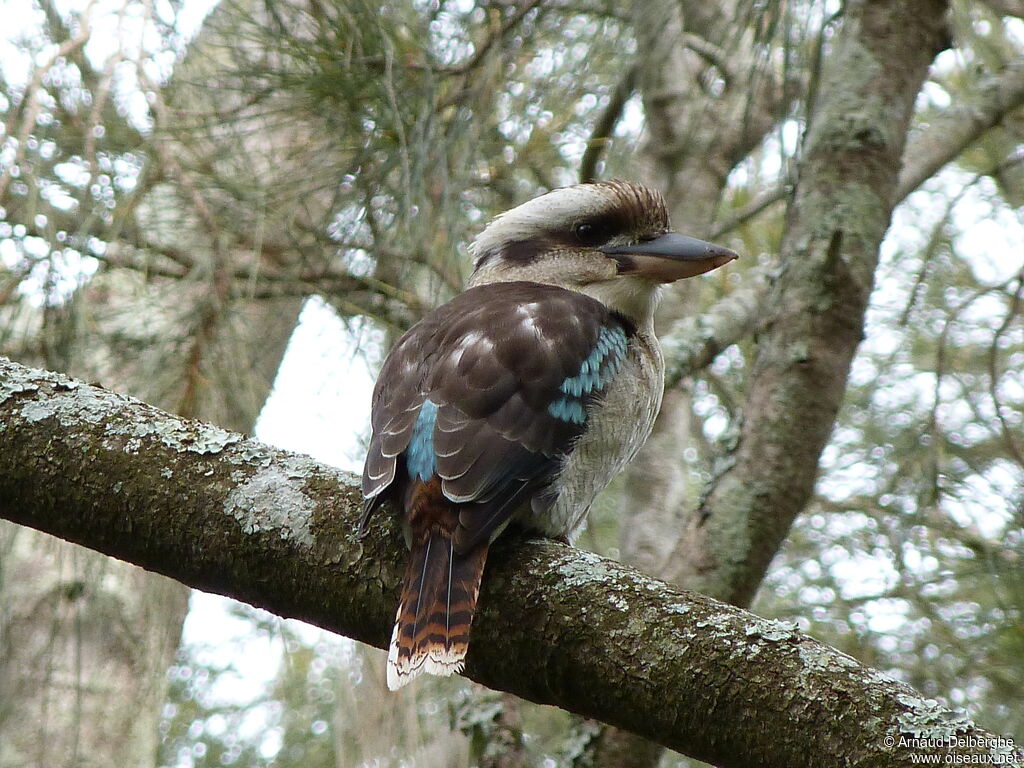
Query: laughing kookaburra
point(520, 399)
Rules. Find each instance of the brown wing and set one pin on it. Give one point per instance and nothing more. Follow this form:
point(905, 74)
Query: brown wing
point(488, 393)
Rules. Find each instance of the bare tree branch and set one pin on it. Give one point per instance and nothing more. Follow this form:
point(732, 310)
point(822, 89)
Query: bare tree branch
point(557, 625)
point(693, 342)
point(605, 125)
point(1012, 445)
point(754, 208)
point(689, 343)
point(956, 128)
point(948, 134)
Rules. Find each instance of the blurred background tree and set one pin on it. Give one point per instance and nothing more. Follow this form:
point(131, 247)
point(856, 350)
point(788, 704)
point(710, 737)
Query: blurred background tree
point(178, 181)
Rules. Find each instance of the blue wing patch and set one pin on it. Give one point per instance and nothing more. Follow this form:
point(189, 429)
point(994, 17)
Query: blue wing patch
point(568, 409)
point(596, 372)
point(420, 458)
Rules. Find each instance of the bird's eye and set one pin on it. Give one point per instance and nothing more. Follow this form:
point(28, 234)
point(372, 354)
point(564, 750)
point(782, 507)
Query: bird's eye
point(590, 233)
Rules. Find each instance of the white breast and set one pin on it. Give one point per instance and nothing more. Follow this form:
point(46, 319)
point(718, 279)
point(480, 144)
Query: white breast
point(616, 429)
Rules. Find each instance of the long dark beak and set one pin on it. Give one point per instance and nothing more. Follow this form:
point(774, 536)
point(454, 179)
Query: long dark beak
point(669, 257)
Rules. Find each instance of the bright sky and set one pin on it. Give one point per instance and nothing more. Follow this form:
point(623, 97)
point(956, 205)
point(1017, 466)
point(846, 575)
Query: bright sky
point(320, 403)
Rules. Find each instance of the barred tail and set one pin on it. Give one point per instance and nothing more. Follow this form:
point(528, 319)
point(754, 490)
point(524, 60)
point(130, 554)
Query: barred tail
point(439, 595)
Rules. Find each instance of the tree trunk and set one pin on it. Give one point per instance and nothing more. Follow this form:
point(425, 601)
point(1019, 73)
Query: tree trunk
point(845, 194)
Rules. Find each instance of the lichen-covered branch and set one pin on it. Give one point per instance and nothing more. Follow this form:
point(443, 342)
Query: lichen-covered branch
point(693, 342)
point(556, 625)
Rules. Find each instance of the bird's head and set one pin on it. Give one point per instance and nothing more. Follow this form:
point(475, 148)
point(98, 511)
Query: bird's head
point(609, 240)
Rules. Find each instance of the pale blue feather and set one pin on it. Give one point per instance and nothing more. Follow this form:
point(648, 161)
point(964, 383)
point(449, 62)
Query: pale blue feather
point(419, 457)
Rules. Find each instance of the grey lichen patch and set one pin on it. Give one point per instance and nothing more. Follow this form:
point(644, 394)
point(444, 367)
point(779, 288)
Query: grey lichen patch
point(618, 601)
point(297, 466)
point(856, 213)
point(82, 405)
point(85, 404)
point(353, 481)
point(194, 436)
point(720, 622)
point(271, 501)
point(38, 410)
point(879, 678)
point(772, 630)
point(583, 568)
point(926, 719)
point(853, 122)
point(254, 452)
point(820, 658)
point(9, 389)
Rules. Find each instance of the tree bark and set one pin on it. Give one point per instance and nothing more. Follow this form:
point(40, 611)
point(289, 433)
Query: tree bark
point(556, 625)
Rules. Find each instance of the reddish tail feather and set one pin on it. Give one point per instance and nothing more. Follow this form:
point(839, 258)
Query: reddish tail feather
point(436, 609)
